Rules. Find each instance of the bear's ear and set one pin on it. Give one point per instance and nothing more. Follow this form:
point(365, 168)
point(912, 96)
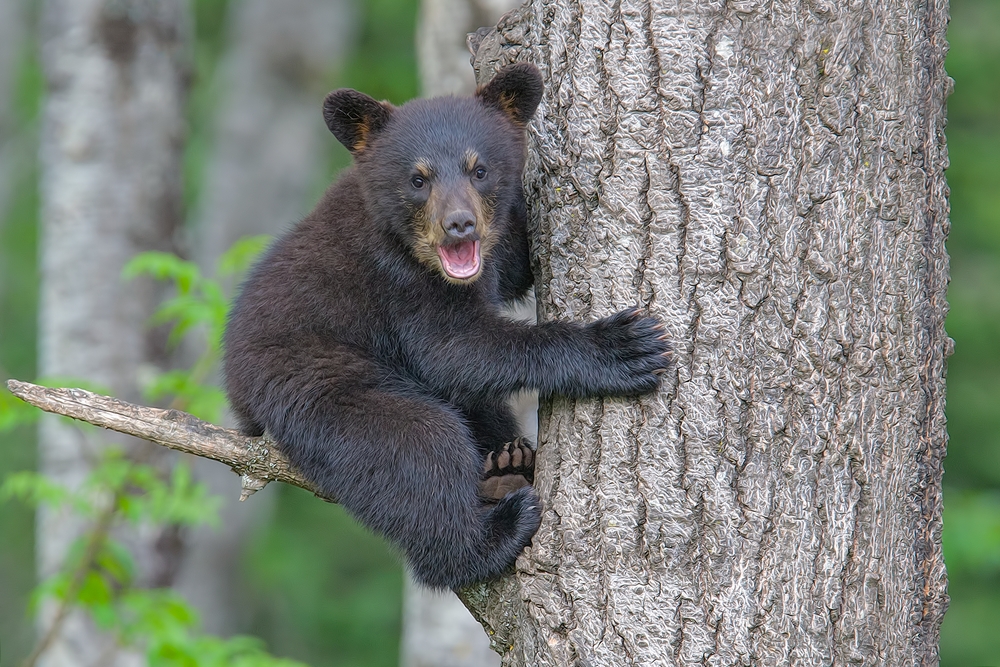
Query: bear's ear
point(354, 117)
point(516, 90)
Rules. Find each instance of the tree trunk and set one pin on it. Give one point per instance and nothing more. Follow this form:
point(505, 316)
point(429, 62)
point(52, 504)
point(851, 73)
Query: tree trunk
point(12, 37)
point(768, 179)
point(112, 133)
point(269, 137)
point(442, 51)
point(267, 147)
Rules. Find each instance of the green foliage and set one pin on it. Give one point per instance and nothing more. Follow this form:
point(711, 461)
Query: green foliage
point(199, 305)
point(98, 574)
point(35, 489)
point(972, 531)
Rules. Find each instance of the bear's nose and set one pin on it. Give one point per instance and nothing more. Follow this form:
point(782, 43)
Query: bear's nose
point(460, 224)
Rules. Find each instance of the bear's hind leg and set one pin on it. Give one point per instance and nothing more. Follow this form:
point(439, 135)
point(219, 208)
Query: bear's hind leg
point(508, 458)
point(407, 466)
point(507, 470)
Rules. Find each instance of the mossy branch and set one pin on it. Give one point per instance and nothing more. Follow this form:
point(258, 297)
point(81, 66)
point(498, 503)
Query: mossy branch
point(256, 460)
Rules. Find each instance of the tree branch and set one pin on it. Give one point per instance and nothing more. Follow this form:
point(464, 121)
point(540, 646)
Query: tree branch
point(256, 460)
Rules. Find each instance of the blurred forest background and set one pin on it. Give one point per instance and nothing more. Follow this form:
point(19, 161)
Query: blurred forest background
point(318, 588)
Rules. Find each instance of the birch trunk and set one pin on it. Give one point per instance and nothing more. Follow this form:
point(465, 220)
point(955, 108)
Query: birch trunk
point(267, 148)
point(442, 51)
point(112, 133)
point(268, 134)
point(768, 179)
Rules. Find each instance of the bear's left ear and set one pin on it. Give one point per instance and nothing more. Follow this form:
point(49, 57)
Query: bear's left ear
point(354, 117)
point(516, 90)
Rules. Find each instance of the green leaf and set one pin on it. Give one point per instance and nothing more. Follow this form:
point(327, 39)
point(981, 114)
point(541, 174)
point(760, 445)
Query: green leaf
point(203, 401)
point(180, 500)
point(36, 489)
point(241, 255)
point(164, 266)
point(14, 412)
point(114, 562)
point(96, 591)
point(54, 586)
point(186, 311)
point(185, 501)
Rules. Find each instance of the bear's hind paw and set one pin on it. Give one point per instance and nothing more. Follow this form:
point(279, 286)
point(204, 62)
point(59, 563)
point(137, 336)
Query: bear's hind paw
point(508, 469)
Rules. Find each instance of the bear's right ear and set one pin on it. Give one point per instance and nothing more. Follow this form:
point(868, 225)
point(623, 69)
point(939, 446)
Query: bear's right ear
point(354, 117)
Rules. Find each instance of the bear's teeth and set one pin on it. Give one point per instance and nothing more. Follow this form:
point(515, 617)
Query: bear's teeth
point(460, 260)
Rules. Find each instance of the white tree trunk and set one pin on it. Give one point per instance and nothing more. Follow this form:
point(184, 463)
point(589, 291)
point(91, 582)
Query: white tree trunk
point(269, 137)
point(112, 133)
point(267, 148)
point(442, 52)
point(768, 179)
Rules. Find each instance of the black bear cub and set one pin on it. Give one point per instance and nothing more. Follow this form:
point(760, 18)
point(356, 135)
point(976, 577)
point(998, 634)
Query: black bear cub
point(368, 340)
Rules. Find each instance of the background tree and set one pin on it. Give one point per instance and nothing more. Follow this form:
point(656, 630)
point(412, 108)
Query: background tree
point(112, 136)
point(267, 145)
point(769, 180)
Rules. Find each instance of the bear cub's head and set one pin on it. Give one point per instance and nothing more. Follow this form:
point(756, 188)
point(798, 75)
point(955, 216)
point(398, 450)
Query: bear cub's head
point(437, 172)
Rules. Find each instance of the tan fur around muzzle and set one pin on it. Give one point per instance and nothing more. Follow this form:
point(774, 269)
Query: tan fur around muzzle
point(430, 232)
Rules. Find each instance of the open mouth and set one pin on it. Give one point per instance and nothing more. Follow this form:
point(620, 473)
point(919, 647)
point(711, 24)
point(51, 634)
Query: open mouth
point(460, 260)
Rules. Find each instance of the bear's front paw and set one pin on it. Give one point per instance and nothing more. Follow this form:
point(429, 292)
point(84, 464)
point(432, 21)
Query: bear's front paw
point(635, 350)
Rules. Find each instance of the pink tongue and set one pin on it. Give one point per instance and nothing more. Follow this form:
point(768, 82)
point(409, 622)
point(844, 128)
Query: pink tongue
point(460, 260)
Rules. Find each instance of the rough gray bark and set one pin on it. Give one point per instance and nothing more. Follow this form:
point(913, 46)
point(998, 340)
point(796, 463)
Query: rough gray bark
point(767, 178)
point(110, 158)
point(267, 147)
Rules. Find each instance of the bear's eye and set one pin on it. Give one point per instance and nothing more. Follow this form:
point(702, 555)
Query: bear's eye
point(417, 182)
point(480, 173)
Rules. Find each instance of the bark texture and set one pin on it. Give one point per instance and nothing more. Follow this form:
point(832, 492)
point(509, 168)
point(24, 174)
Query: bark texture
point(768, 179)
point(268, 145)
point(116, 74)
